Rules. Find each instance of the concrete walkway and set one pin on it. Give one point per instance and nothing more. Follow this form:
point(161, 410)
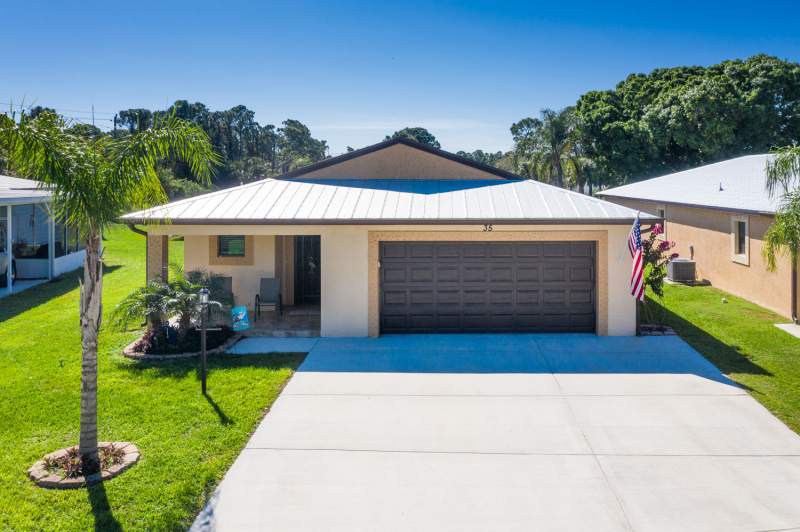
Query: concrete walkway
point(512, 432)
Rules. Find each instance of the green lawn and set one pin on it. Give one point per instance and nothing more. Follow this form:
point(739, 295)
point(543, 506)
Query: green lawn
point(740, 338)
point(187, 441)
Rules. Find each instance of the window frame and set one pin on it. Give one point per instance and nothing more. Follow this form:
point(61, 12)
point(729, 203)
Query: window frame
point(659, 209)
point(740, 258)
point(220, 254)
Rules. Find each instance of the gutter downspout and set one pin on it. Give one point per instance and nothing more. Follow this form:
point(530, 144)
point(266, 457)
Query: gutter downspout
point(136, 230)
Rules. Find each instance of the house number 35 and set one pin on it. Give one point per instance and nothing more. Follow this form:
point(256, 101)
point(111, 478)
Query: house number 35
point(487, 227)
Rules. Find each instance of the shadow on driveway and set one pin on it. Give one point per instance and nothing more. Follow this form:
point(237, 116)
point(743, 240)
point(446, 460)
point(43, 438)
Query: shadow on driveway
point(510, 353)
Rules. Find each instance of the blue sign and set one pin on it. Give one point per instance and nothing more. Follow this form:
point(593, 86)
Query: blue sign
point(239, 319)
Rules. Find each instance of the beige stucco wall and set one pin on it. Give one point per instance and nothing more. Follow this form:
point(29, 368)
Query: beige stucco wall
point(347, 263)
point(245, 277)
point(709, 232)
point(400, 162)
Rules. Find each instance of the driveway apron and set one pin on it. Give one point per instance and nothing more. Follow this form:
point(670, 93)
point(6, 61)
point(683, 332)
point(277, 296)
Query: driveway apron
point(511, 432)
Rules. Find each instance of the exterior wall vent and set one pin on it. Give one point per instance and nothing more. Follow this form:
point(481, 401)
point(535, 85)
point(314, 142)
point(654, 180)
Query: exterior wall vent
point(681, 270)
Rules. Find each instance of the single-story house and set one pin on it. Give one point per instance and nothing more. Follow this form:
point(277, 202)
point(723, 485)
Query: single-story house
point(717, 215)
point(401, 237)
point(33, 248)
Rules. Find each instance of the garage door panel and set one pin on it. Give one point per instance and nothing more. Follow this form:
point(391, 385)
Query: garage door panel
point(487, 286)
point(501, 274)
point(420, 251)
point(581, 297)
point(394, 274)
point(526, 272)
point(555, 249)
point(580, 273)
point(475, 274)
point(554, 273)
point(448, 274)
point(527, 249)
point(393, 250)
point(502, 250)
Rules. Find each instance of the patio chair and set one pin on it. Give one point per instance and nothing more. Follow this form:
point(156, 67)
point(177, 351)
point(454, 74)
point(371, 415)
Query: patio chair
point(222, 291)
point(269, 295)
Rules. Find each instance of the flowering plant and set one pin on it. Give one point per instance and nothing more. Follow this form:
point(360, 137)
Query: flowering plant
point(656, 255)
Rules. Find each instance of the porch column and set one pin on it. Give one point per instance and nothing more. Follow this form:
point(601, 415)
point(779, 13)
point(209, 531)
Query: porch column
point(9, 250)
point(157, 257)
point(51, 243)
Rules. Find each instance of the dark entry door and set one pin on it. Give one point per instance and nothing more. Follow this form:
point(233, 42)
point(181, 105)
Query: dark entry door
point(306, 270)
point(487, 287)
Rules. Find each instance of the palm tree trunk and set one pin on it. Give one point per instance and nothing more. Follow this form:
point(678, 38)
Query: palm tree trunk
point(91, 311)
point(559, 172)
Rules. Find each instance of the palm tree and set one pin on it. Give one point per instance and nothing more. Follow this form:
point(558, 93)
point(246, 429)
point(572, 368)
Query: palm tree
point(93, 182)
point(545, 144)
point(783, 235)
point(783, 172)
point(783, 176)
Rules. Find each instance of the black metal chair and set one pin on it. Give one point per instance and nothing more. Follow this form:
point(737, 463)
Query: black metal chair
point(222, 291)
point(269, 295)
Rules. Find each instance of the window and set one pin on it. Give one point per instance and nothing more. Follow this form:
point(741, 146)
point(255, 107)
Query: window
point(60, 241)
point(30, 231)
point(3, 228)
point(230, 246)
point(741, 239)
point(741, 235)
point(66, 240)
point(662, 213)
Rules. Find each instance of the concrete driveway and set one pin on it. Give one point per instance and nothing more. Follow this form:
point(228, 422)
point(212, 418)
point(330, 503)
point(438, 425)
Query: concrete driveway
point(512, 432)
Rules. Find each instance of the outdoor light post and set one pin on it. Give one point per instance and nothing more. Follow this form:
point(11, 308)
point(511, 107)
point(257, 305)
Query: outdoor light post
point(203, 297)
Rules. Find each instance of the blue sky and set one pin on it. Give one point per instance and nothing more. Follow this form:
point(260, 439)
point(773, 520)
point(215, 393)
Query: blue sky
point(354, 72)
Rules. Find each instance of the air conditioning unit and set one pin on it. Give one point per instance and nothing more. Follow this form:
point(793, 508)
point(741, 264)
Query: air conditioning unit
point(681, 270)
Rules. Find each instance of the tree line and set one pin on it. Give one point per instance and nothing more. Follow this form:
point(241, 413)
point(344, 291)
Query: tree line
point(648, 124)
point(651, 124)
point(666, 121)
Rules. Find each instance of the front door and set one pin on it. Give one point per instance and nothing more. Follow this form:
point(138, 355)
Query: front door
point(307, 270)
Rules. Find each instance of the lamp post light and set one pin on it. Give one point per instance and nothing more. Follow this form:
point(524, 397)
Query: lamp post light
point(203, 298)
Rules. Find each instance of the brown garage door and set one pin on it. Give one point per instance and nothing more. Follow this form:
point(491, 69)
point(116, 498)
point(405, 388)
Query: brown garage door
point(487, 287)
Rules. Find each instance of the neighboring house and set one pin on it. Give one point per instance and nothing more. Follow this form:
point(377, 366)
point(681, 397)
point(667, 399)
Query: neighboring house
point(401, 237)
point(32, 247)
point(717, 214)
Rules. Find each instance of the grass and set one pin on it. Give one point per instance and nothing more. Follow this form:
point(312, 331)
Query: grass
point(740, 338)
point(187, 441)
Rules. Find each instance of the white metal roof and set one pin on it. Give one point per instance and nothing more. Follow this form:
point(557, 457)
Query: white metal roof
point(16, 190)
point(322, 201)
point(735, 184)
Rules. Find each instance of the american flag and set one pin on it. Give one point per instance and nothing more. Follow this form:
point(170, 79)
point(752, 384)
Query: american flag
point(635, 249)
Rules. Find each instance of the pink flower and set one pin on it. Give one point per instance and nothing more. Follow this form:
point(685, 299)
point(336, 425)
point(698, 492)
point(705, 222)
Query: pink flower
point(665, 245)
point(673, 256)
point(658, 229)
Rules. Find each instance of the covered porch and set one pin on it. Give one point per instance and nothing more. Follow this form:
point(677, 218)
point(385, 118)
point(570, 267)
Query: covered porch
point(34, 248)
point(242, 262)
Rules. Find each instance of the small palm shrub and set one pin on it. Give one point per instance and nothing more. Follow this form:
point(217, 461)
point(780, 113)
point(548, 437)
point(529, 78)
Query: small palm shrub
point(172, 306)
point(144, 305)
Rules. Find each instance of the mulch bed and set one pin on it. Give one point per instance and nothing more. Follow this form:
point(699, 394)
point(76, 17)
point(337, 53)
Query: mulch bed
point(61, 469)
point(216, 342)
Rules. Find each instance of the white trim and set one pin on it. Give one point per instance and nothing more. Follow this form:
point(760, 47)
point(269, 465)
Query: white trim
point(9, 250)
point(740, 258)
point(662, 207)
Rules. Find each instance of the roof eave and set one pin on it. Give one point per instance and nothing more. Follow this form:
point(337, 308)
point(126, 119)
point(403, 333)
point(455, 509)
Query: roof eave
point(415, 221)
point(691, 205)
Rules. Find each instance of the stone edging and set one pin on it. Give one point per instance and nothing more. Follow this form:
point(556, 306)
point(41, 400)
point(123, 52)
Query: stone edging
point(656, 330)
point(44, 479)
point(150, 357)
